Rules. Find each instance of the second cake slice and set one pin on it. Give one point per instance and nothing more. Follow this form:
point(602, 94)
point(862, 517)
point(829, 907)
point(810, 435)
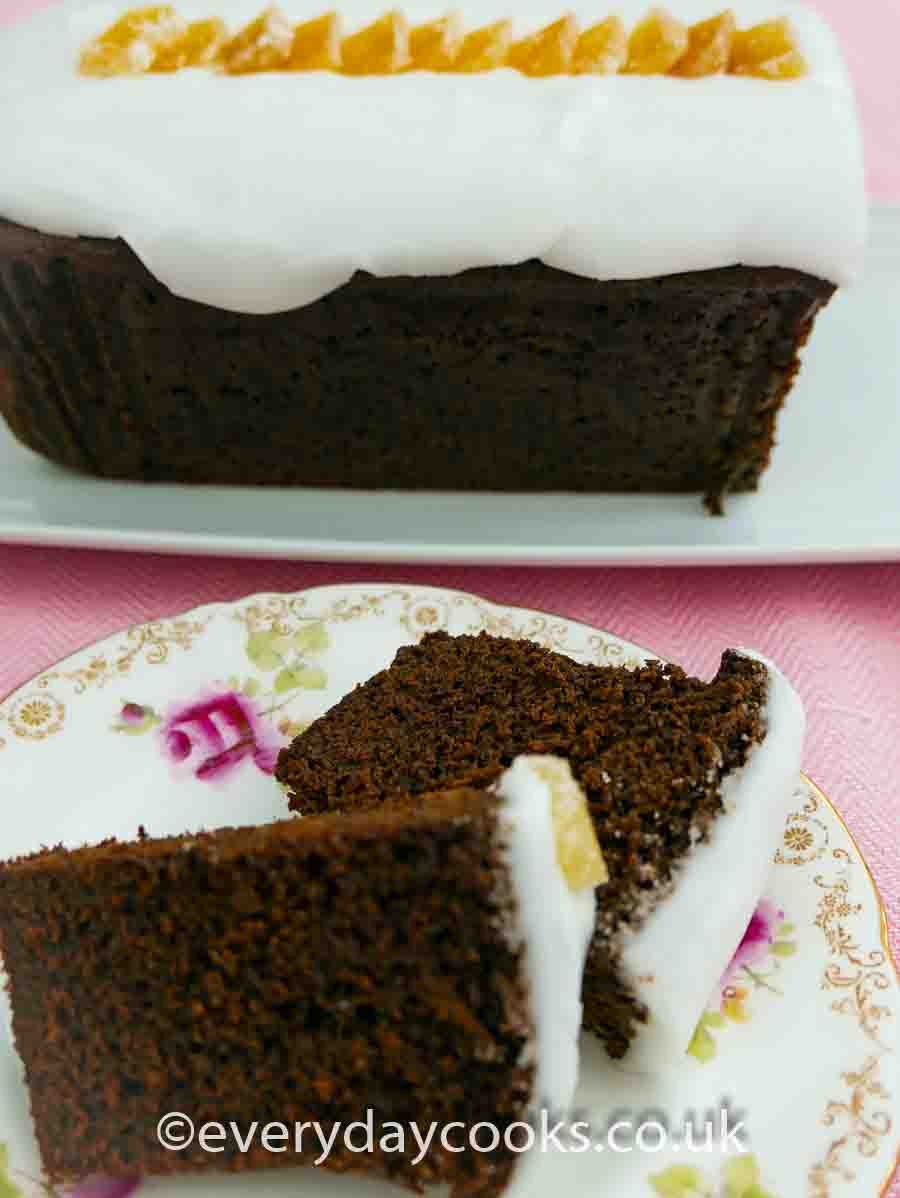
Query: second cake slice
point(688, 784)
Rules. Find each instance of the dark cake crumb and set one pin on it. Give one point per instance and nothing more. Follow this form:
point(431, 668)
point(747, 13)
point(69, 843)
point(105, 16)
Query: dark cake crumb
point(304, 970)
point(509, 378)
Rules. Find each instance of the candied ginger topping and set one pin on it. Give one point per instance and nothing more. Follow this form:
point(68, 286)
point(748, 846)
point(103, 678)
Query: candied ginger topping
point(382, 48)
point(767, 51)
point(130, 45)
point(198, 46)
point(656, 45)
point(709, 47)
point(602, 49)
point(548, 52)
point(435, 45)
point(790, 65)
point(485, 49)
point(157, 40)
point(316, 45)
point(577, 849)
point(263, 45)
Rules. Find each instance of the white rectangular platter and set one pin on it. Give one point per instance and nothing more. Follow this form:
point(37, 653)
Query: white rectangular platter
point(832, 493)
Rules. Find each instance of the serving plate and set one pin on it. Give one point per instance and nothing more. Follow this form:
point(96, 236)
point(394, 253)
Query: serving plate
point(832, 492)
point(799, 1041)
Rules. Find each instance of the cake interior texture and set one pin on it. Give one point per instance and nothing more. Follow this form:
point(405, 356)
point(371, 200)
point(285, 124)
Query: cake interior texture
point(506, 378)
point(305, 970)
point(650, 747)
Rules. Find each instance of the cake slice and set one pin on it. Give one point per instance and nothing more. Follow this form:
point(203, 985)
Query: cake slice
point(688, 784)
point(420, 961)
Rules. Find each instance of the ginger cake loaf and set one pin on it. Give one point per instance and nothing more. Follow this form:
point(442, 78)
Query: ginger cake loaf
point(520, 250)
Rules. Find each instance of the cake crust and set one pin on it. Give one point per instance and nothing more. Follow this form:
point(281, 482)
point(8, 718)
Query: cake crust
point(509, 378)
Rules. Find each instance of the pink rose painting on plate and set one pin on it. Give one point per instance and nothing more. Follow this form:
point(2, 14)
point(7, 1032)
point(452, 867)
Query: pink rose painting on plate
point(765, 943)
point(238, 721)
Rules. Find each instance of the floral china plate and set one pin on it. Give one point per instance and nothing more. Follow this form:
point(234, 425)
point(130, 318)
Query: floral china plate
point(175, 725)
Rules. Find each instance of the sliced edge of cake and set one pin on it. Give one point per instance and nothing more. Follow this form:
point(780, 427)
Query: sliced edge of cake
point(422, 960)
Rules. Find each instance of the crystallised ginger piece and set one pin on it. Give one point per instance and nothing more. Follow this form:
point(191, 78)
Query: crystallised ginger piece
point(602, 49)
point(263, 45)
point(547, 52)
point(791, 65)
point(575, 839)
point(768, 51)
point(656, 44)
point(129, 45)
point(316, 45)
point(435, 45)
point(484, 49)
point(198, 46)
point(382, 48)
point(709, 47)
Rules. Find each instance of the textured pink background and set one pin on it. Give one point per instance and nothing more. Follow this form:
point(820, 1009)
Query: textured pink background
point(835, 630)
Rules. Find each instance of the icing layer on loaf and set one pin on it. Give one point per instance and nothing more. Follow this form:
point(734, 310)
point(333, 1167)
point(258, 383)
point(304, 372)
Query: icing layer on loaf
point(262, 193)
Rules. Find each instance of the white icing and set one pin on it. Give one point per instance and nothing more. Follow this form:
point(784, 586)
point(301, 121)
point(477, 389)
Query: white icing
point(677, 958)
point(556, 924)
point(259, 194)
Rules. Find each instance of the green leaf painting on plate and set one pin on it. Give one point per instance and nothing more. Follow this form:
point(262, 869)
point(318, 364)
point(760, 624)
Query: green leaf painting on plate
point(8, 1188)
point(243, 718)
point(738, 1178)
point(766, 944)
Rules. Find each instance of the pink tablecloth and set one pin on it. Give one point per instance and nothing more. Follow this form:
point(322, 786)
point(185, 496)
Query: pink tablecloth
point(836, 630)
